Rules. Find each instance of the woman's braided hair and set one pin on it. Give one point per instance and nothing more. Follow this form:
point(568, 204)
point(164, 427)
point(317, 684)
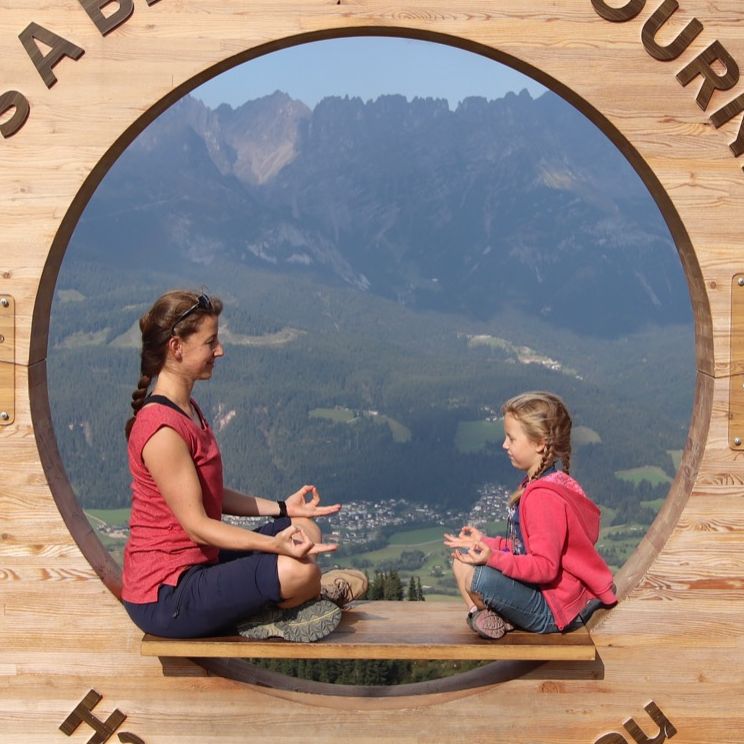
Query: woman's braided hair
point(166, 318)
point(544, 417)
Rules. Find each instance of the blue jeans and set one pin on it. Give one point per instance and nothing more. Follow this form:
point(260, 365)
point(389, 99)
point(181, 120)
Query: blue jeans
point(523, 605)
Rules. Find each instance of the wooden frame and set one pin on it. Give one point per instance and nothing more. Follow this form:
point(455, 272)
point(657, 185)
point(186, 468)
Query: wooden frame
point(661, 79)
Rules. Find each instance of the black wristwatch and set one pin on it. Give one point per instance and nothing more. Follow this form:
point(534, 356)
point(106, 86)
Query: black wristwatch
point(282, 510)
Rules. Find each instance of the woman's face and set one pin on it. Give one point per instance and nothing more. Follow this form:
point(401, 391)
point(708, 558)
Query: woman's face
point(524, 453)
point(200, 350)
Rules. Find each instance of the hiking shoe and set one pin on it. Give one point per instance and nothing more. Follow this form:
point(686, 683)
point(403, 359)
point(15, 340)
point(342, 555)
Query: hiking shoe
point(489, 624)
point(303, 624)
point(342, 586)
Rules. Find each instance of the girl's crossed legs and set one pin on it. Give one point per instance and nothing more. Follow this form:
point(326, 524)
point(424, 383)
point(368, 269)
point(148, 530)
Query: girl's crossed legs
point(523, 605)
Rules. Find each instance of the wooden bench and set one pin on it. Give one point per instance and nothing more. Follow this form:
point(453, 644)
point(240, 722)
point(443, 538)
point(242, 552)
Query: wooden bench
point(391, 630)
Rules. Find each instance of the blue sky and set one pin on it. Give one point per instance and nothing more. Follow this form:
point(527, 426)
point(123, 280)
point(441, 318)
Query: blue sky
point(366, 67)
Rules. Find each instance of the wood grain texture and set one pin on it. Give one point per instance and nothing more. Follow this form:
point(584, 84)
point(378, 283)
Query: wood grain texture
point(675, 638)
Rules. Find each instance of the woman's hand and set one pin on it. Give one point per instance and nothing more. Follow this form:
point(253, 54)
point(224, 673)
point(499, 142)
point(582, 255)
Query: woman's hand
point(298, 504)
point(292, 541)
point(467, 537)
point(476, 555)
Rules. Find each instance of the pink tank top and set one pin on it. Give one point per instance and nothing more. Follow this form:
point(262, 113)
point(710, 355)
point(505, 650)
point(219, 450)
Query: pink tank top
point(159, 550)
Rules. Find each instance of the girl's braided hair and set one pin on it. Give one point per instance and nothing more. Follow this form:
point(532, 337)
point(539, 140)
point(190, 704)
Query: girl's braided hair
point(544, 417)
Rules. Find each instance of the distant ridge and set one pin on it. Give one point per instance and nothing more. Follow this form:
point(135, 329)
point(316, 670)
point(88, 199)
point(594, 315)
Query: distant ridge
point(512, 202)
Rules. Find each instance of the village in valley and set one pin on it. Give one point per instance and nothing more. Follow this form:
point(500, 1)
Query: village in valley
point(360, 523)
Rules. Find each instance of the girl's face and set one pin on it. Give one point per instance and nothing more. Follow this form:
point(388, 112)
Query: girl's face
point(200, 349)
point(524, 453)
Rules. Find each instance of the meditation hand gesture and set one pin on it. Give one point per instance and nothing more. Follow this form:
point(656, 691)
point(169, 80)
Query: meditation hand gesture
point(299, 506)
point(476, 555)
point(294, 542)
point(467, 537)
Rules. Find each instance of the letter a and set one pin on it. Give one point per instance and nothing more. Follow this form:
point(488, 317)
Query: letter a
point(31, 35)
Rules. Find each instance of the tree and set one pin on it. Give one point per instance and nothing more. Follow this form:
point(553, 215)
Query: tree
point(376, 588)
point(392, 586)
point(412, 590)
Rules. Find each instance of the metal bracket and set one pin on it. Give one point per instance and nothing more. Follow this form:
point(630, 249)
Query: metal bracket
point(7, 360)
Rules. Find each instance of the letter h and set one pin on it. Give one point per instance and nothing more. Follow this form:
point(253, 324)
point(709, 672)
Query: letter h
point(83, 713)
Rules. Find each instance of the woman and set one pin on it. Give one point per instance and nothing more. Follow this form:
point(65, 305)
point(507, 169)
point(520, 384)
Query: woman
point(186, 572)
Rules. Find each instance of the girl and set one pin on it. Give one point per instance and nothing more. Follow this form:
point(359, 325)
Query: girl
point(546, 575)
point(186, 572)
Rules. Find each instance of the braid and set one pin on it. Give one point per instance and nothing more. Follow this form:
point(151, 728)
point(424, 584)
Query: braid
point(139, 395)
point(138, 400)
point(158, 325)
point(544, 418)
point(152, 358)
point(566, 460)
point(547, 460)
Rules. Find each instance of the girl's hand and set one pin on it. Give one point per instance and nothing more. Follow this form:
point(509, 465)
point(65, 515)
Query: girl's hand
point(453, 541)
point(298, 504)
point(477, 555)
point(466, 538)
point(468, 532)
point(294, 542)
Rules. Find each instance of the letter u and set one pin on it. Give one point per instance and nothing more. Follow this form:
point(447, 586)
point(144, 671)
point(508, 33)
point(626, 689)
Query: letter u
point(651, 28)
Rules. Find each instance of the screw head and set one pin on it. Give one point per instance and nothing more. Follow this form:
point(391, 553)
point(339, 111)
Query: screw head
point(4, 302)
point(4, 415)
point(737, 441)
point(740, 281)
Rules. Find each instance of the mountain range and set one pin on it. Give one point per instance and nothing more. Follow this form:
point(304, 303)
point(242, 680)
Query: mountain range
point(516, 203)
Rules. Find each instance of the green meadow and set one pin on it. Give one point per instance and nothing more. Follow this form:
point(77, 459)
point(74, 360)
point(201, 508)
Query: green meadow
point(676, 456)
point(111, 517)
point(340, 415)
point(581, 435)
point(473, 436)
point(336, 415)
point(651, 473)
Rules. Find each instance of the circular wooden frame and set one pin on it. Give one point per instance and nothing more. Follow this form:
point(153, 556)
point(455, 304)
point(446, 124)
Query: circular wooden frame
point(661, 82)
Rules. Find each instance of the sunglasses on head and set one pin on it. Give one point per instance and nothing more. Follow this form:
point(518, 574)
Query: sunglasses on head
point(202, 303)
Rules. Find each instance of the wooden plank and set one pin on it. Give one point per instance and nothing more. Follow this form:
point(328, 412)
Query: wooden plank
point(391, 630)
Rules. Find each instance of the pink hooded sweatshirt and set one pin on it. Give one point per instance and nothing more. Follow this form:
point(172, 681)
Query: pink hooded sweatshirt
point(560, 526)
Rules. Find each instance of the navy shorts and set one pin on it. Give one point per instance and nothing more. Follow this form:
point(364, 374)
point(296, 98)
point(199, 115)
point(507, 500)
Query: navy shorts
point(209, 599)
